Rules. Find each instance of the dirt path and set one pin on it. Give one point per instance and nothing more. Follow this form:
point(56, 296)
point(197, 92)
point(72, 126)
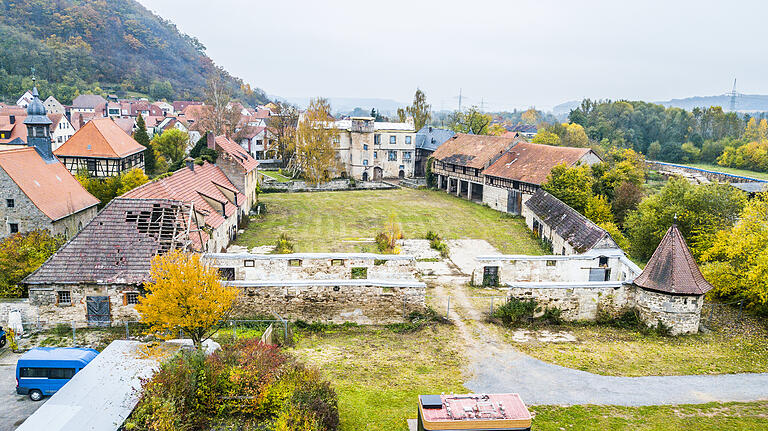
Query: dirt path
point(496, 367)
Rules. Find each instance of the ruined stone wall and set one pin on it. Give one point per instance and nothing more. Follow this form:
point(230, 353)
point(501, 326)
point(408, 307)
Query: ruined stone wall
point(44, 303)
point(576, 303)
point(495, 197)
point(337, 302)
point(330, 186)
point(681, 313)
point(555, 268)
point(28, 314)
point(315, 266)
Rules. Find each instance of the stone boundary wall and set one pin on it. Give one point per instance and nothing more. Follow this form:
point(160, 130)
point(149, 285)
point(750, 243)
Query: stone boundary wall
point(28, 314)
point(577, 301)
point(333, 185)
point(555, 268)
point(314, 266)
point(331, 301)
point(672, 168)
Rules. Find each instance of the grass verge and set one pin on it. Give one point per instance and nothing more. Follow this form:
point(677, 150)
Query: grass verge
point(733, 171)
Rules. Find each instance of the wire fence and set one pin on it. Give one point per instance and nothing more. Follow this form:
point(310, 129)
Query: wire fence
point(443, 304)
point(712, 311)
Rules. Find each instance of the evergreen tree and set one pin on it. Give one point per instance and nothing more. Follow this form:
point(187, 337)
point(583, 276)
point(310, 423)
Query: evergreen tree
point(142, 137)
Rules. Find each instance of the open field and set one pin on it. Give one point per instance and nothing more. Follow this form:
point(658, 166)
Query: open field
point(347, 221)
point(734, 171)
point(378, 373)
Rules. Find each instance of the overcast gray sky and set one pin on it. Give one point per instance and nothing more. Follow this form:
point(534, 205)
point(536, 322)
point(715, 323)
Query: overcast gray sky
point(503, 53)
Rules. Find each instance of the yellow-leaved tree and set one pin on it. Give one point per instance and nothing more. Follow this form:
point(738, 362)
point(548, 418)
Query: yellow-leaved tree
point(313, 150)
point(185, 294)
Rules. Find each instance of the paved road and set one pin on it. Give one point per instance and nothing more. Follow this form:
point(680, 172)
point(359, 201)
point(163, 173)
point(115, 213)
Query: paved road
point(495, 366)
point(13, 408)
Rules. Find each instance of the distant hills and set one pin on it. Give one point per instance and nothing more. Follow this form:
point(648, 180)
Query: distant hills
point(79, 46)
point(744, 103)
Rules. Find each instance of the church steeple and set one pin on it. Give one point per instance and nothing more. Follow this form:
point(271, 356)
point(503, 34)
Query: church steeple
point(39, 127)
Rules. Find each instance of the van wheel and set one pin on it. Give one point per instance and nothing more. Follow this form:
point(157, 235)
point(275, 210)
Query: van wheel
point(2, 341)
point(35, 395)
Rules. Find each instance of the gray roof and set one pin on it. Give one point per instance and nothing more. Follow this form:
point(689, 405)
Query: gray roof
point(88, 101)
point(752, 187)
point(578, 231)
point(429, 138)
point(118, 245)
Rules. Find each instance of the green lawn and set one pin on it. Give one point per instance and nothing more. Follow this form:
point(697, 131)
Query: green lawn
point(378, 374)
point(734, 171)
point(276, 176)
point(338, 221)
point(622, 352)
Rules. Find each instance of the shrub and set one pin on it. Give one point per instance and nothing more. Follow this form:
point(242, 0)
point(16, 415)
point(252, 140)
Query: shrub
point(245, 386)
point(515, 310)
point(552, 316)
point(417, 320)
point(436, 243)
point(284, 245)
point(432, 236)
point(386, 240)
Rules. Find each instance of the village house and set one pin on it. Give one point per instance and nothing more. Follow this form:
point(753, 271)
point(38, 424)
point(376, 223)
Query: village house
point(52, 106)
point(562, 228)
point(370, 150)
point(102, 149)
point(88, 103)
point(428, 139)
point(166, 107)
point(260, 143)
point(218, 205)
point(38, 191)
point(459, 162)
point(98, 276)
point(61, 130)
point(13, 132)
point(180, 105)
point(25, 99)
point(239, 166)
point(519, 172)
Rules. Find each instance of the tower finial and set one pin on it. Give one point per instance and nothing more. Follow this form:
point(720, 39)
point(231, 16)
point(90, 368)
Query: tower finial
point(34, 79)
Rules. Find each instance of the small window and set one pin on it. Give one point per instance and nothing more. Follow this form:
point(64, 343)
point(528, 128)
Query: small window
point(551, 262)
point(603, 261)
point(365, 147)
point(376, 139)
point(393, 140)
point(337, 262)
point(131, 298)
point(392, 156)
point(359, 273)
point(13, 227)
point(64, 298)
point(10, 203)
point(406, 155)
point(227, 273)
point(249, 263)
point(375, 154)
point(294, 262)
point(365, 162)
point(408, 140)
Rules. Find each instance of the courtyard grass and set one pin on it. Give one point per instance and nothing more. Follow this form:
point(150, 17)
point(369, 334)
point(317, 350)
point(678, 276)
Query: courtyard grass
point(347, 221)
point(275, 175)
point(623, 352)
point(712, 416)
point(378, 374)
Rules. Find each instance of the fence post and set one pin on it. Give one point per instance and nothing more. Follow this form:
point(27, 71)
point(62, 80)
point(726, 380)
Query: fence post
point(127, 334)
point(234, 333)
point(448, 308)
point(74, 334)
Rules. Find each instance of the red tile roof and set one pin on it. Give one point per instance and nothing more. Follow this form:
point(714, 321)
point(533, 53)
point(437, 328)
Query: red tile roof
point(49, 186)
point(205, 182)
point(474, 151)
point(100, 137)
point(531, 163)
point(672, 268)
point(235, 151)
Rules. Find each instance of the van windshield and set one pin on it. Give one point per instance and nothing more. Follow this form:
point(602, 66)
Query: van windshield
point(49, 373)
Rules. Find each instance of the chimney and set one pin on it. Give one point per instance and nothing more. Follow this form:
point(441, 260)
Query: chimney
point(12, 118)
point(190, 162)
point(211, 140)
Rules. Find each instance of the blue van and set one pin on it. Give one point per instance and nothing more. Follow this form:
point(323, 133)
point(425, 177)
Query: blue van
point(44, 370)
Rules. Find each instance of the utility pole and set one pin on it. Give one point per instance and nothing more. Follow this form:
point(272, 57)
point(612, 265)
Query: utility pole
point(733, 97)
point(459, 99)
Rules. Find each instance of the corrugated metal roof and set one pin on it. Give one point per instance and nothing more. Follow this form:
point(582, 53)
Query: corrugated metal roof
point(672, 268)
point(580, 232)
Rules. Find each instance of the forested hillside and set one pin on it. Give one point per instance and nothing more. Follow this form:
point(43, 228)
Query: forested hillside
point(115, 46)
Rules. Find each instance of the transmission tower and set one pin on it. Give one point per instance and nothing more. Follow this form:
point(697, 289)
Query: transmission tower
point(733, 95)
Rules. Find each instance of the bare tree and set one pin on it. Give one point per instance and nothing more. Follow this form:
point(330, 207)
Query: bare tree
point(282, 125)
